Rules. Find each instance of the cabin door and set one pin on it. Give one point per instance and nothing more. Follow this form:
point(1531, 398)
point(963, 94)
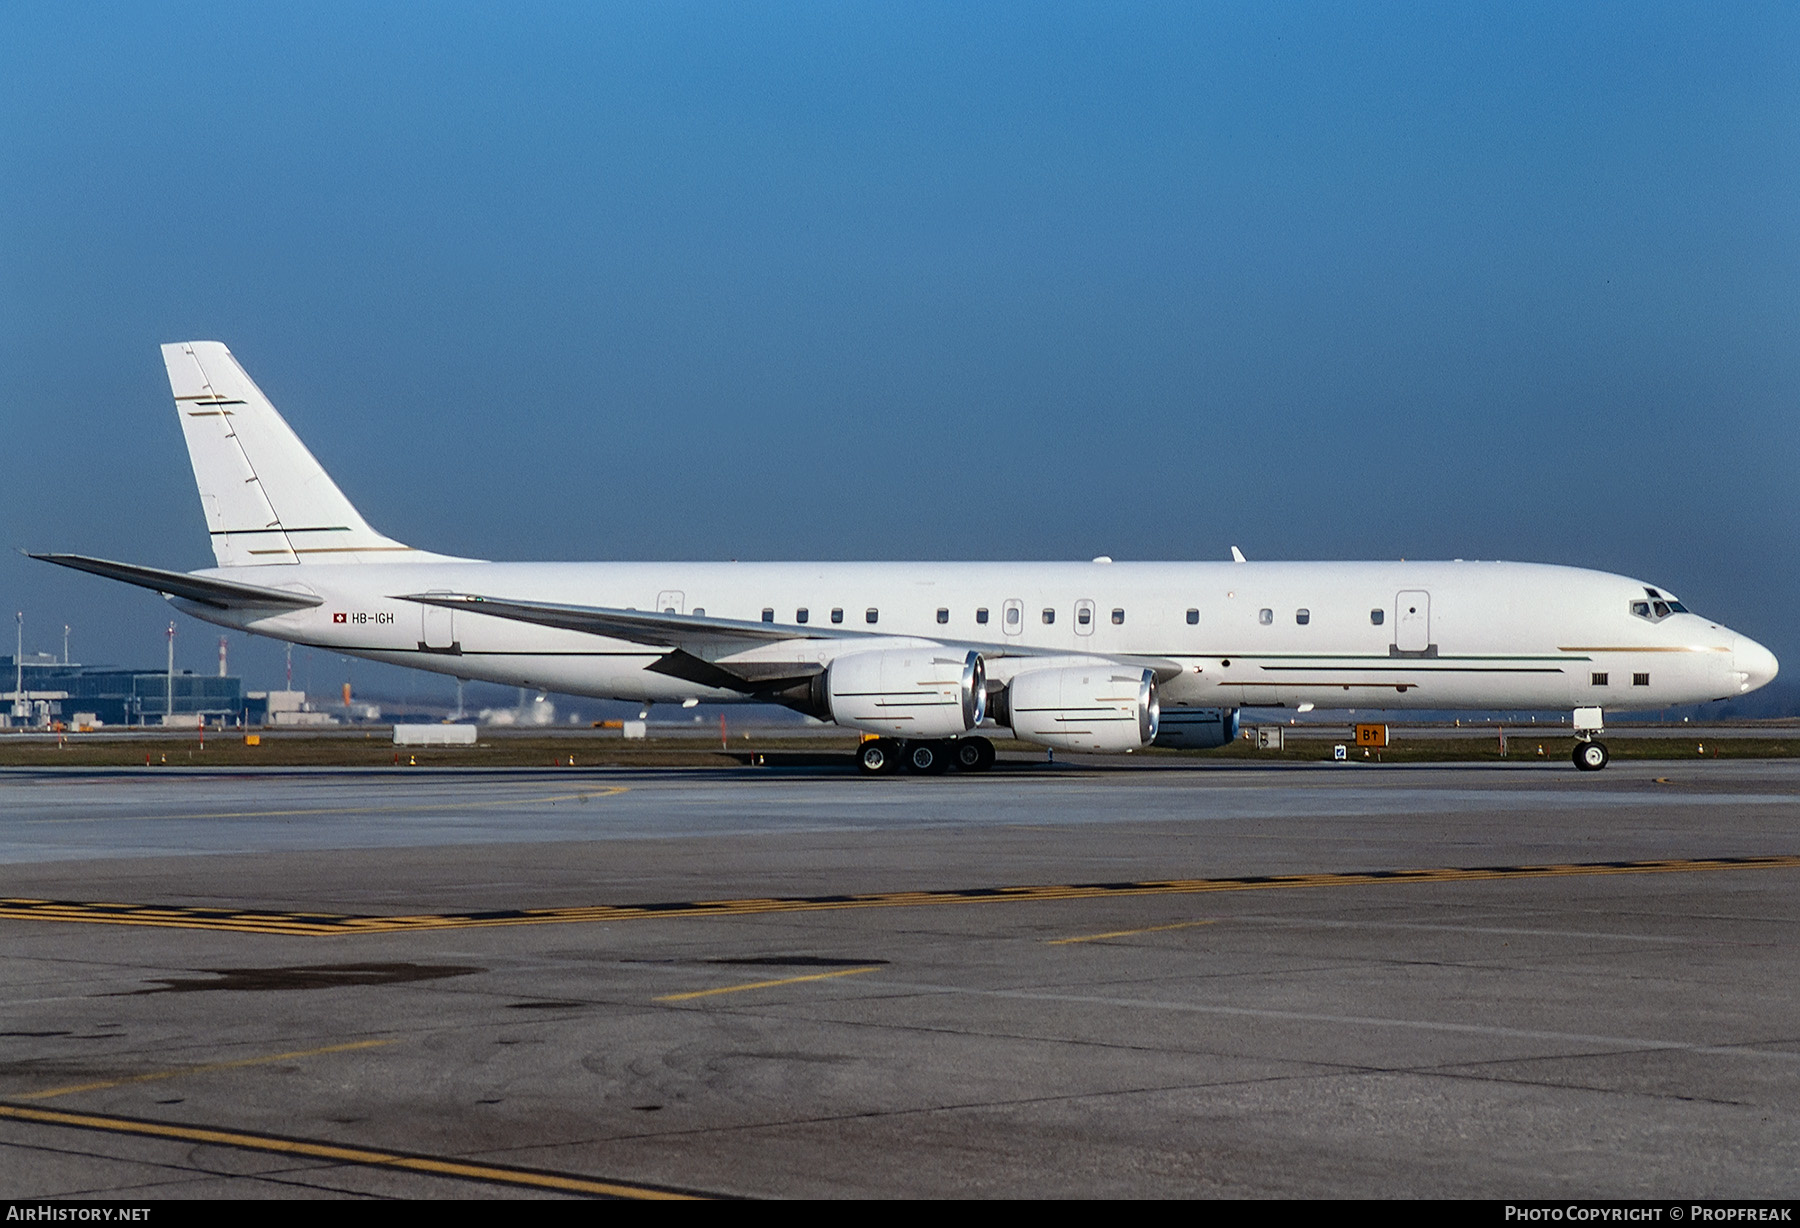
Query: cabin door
point(1412, 621)
point(671, 601)
point(437, 628)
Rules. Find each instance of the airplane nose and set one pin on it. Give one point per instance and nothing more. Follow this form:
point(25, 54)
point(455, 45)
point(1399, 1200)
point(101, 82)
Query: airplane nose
point(1756, 664)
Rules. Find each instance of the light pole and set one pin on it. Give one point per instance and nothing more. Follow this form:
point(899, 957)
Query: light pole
point(169, 688)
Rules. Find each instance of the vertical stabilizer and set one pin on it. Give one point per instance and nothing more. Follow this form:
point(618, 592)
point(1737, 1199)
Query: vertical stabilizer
point(266, 499)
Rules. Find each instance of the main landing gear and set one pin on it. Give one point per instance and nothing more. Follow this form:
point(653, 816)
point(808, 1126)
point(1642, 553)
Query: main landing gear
point(883, 756)
point(1590, 755)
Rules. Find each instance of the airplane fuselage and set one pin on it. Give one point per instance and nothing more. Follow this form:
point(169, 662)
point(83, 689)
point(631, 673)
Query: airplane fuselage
point(1337, 635)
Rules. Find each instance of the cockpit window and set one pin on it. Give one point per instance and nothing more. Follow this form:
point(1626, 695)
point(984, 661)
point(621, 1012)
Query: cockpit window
point(1657, 607)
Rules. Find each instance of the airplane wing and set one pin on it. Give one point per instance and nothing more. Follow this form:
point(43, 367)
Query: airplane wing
point(220, 594)
point(700, 635)
point(696, 644)
point(710, 651)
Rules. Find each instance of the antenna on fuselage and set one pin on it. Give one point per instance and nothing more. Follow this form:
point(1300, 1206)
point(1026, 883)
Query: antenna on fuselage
point(1237, 556)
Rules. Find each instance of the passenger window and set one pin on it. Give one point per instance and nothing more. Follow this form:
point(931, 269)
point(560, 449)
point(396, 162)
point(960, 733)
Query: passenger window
point(1377, 617)
point(1302, 617)
point(801, 614)
point(837, 616)
point(1118, 618)
point(1640, 680)
point(1193, 618)
point(768, 615)
point(871, 615)
point(981, 615)
point(1084, 616)
point(1049, 616)
point(1012, 617)
point(1598, 679)
point(943, 615)
point(1265, 617)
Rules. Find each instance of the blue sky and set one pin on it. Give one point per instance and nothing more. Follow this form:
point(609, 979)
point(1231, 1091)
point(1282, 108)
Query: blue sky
point(957, 281)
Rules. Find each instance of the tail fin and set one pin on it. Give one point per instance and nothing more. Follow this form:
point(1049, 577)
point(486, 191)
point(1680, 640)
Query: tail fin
point(266, 499)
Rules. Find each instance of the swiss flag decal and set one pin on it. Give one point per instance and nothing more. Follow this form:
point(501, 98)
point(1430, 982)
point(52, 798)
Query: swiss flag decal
point(340, 618)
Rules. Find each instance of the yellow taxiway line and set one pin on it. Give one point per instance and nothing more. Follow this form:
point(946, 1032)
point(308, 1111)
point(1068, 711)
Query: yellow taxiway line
point(158, 1075)
point(786, 980)
point(1152, 929)
point(257, 921)
point(438, 1166)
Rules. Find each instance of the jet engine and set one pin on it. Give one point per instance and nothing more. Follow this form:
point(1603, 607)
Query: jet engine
point(1197, 728)
point(924, 692)
point(1103, 707)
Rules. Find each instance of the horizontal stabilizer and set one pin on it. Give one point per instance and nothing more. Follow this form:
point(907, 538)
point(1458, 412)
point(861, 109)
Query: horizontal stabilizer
point(221, 594)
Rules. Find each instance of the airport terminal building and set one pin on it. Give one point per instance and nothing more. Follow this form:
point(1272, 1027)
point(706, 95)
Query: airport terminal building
point(42, 691)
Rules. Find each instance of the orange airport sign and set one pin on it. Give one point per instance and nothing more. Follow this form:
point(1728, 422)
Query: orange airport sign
point(1371, 735)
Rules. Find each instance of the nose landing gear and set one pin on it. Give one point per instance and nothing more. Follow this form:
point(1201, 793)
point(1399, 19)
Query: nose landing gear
point(1590, 755)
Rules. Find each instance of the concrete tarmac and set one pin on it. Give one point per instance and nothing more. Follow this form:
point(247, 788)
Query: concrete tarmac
point(1298, 980)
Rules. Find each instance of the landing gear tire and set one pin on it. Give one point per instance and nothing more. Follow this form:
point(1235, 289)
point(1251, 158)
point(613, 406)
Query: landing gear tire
point(973, 754)
point(1591, 756)
point(878, 757)
point(927, 758)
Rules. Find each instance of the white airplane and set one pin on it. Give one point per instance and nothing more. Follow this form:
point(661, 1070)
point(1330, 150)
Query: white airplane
point(1098, 656)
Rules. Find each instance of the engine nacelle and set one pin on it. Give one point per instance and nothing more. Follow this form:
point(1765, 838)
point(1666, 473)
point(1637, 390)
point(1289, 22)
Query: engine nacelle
point(924, 692)
point(1197, 728)
point(1103, 707)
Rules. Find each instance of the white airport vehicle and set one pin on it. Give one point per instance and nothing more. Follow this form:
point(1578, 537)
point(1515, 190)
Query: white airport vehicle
point(1098, 656)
